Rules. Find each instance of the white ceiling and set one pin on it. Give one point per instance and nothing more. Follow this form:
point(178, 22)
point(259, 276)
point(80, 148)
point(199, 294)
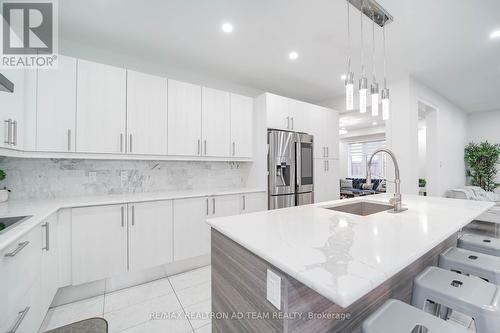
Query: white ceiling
point(444, 43)
point(353, 120)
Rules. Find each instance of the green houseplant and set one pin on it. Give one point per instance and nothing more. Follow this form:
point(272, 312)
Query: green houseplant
point(482, 160)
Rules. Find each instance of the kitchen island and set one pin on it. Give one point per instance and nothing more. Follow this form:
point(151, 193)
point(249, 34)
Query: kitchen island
point(329, 269)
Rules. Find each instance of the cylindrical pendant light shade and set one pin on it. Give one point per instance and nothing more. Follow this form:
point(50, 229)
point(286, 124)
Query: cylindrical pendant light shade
point(349, 91)
point(363, 94)
point(375, 99)
point(385, 104)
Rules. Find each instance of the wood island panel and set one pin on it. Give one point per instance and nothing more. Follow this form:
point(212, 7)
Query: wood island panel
point(239, 287)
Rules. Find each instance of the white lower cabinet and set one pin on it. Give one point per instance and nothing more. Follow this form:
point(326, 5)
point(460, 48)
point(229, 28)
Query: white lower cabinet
point(111, 240)
point(20, 292)
point(50, 281)
point(191, 232)
point(326, 180)
point(150, 234)
point(253, 202)
point(225, 205)
point(99, 242)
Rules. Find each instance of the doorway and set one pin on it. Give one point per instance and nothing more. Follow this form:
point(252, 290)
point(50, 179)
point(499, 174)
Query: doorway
point(428, 154)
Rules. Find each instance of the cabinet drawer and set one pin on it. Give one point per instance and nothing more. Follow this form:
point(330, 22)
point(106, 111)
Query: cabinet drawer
point(20, 266)
point(24, 315)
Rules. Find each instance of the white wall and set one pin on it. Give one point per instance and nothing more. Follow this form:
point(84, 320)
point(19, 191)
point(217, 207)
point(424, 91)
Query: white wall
point(156, 66)
point(445, 142)
point(484, 126)
point(422, 153)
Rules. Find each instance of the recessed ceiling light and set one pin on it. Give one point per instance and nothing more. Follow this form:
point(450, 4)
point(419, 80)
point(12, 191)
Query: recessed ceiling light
point(342, 131)
point(293, 55)
point(227, 28)
point(343, 77)
point(495, 34)
point(374, 123)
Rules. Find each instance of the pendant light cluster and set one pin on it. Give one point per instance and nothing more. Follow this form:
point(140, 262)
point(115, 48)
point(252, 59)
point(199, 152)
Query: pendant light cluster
point(379, 16)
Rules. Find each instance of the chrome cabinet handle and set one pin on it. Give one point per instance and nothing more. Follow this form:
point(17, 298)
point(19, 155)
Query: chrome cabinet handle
point(324, 152)
point(14, 133)
point(69, 139)
point(327, 165)
point(20, 318)
point(287, 122)
point(292, 122)
point(213, 205)
point(47, 236)
point(130, 143)
point(244, 203)
point(133, 215)
point(327, 152)
point(199, 147)
point(234, 148)
point(121, 142)
point(123, 215)
point(7, 131)
point(207, 206)
point(205, 148)
point(18, 249)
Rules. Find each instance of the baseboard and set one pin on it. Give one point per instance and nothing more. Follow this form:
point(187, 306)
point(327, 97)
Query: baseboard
point(70, 294)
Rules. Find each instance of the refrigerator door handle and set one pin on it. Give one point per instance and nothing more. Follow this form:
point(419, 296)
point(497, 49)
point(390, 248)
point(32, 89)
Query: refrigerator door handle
point(298, 160)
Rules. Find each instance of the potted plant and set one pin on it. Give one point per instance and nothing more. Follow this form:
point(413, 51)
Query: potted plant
point(482, 160)
point(422, 182)
point(4, 193)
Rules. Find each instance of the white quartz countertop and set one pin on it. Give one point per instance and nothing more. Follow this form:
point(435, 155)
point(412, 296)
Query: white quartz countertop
point(343, 256)
point(41, 209)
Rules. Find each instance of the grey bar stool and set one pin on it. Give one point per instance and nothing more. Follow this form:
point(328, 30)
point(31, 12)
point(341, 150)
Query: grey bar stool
point(478, 243)
point(398, 317)
point(474, 263)
point(471, 296)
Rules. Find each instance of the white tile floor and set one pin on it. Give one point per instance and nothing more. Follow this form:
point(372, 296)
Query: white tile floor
point(185, 296)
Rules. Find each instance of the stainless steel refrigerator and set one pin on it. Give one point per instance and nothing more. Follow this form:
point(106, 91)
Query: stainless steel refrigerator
point(290, 166)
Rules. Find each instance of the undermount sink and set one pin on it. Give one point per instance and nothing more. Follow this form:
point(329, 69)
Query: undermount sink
point(7, 223)
point(362, 208)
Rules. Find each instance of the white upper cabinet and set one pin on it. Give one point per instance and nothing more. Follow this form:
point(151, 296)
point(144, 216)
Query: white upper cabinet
point(184, 119)
point(215, 122)
point(150, 234)
point(287, 114)
point(146, 114)
point(299, 116)
point(56, 107)
point(278, 115)
point(241, 126)
point(324, 127)
point(84, 107)
point(101, 108)
point(12, 110)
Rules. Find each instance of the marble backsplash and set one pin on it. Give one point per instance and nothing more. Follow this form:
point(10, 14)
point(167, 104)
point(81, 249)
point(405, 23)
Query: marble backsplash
point(50, 178)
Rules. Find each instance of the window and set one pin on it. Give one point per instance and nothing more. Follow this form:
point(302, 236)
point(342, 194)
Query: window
point(358, 155)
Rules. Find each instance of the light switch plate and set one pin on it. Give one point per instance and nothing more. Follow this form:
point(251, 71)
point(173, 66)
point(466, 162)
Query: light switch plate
point(273, 293)
point(92, 177)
